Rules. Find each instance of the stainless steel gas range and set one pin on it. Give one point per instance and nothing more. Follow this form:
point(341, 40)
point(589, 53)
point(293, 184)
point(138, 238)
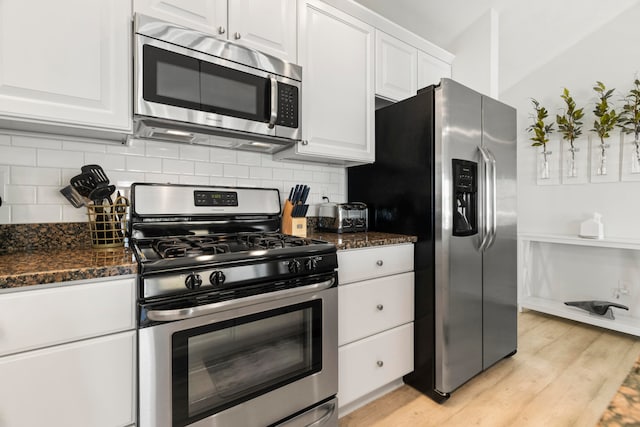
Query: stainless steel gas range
point(237, 322)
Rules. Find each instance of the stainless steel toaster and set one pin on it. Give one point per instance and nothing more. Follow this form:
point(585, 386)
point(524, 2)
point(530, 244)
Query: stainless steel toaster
point(343, 217)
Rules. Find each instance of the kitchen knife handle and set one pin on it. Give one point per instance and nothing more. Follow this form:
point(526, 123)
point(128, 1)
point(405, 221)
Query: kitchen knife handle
point(274, 101)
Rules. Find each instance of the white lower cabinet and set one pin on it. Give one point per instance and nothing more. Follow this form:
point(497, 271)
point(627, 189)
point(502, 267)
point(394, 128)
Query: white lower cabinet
point(375, 321)
point(373, 362)
point(69, 355)
point(85, 383)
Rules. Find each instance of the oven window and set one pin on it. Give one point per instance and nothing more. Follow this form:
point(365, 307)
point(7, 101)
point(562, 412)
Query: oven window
point(223, 364)
point(171, 78)
point(234, 93)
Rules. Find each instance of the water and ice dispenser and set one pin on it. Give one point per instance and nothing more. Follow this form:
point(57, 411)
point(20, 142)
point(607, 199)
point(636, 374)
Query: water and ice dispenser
point(465, 197)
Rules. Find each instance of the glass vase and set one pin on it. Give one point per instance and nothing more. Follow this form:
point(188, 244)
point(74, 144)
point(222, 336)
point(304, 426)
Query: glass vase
point(635, 157)
point(602, 163)
point(572, 168)
point(543, 172)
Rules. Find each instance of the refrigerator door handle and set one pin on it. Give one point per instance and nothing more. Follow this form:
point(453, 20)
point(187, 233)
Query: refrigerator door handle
point(486, 160)
point(493, 225)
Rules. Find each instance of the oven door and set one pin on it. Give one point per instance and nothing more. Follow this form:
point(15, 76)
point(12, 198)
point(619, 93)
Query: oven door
point(249, 365)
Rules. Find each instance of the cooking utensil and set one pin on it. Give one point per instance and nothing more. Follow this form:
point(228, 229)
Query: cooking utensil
point(99, 194)
point(73, 196)
point(100, 177)
point(120, 205)
point(83, 183)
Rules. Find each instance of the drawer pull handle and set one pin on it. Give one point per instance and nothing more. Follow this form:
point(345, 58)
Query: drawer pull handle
point(379, 263)
point(380, 363)
point(380, 307)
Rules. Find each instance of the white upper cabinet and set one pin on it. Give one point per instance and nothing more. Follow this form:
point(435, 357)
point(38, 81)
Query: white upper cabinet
point(431, 69)
point(66, 62)
point(336, 52)
point(396, 67)
point(265, 25)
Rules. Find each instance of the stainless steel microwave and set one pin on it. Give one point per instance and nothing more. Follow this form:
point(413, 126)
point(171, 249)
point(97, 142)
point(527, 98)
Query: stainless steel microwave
point(192, 87)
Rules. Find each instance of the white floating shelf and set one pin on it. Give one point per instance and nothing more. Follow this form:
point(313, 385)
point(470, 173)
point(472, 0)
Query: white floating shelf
point(619, 243)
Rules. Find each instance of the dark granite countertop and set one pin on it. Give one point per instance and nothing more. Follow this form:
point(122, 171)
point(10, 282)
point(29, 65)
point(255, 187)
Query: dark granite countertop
point(29, 268)
point(361, 240)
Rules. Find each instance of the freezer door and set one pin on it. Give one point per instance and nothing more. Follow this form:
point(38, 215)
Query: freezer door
point(458, 277)
point(499, 259)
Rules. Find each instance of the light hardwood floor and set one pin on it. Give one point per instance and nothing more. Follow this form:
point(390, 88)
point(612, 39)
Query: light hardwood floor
point(564, 374)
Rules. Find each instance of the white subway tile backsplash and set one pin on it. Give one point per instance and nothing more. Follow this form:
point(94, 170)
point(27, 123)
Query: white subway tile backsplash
point(161, 178)
point(84, 146)
point(143, 164)
point(220, 155)
point(236, 171)
point(194, 180)
point(321, 176)
point(261, 173)
point(249, 158)
point(243, 182)
point(71, 214)
point(209, 169)
point(24, 175)
point(20, 194)
point(5, 214)
point(24, 214)
point(283, 174)
point(178, 166)
point(165, 150)
point(222, 181)
point(303, 176)
point(60, 159)
point(18, 156)
point(50, 196)
point(28, 141)
point(36, 168)
point(114, 162)
point(194, 152)
point(124, 179)
point(134, 147)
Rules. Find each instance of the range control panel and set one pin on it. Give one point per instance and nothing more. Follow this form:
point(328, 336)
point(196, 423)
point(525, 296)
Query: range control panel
point(215, 198)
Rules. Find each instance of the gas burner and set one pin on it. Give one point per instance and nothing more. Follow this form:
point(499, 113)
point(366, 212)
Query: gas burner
point(274, 240)
point(189, 246)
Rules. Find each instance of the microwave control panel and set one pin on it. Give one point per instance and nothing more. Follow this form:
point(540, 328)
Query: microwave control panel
point(287, 105)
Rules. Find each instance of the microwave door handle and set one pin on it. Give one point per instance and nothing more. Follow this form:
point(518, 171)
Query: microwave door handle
point(274, 102)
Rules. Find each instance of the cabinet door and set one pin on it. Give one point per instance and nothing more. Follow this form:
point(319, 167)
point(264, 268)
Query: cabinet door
point(336, 54)
point(396, 67)
point(265, 25)
point(366, 308)
point(67, 61)
point(87, 383)
point(207, 16)
point(431, 70)
point(369, 263)
point(37, 318)
point(368, 364)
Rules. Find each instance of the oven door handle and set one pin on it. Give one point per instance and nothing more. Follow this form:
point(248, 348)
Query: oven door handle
point(216, 307)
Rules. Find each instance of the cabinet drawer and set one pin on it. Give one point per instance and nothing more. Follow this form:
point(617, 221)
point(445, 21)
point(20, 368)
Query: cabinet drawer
point(366, 308)
point(367, 263)
point(370, 363)
point(38, 318)
point(86, 383)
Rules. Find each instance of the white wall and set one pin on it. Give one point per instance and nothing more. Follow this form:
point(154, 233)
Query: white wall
point(609, 54)
point(477, 52)
point(35, 167)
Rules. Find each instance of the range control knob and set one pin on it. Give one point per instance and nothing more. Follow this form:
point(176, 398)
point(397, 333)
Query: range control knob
point(217, 278)
point(310, 264)
point(193, 281)
point(294, 266)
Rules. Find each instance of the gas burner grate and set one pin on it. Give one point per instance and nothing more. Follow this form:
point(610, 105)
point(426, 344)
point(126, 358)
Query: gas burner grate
point(273, 240)
point(189, 246)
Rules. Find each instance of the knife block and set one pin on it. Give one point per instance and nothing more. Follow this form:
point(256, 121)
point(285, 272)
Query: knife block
point(294, 226)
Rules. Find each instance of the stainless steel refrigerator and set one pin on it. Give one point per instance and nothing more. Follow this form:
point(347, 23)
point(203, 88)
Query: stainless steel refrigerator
point(445, 171)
